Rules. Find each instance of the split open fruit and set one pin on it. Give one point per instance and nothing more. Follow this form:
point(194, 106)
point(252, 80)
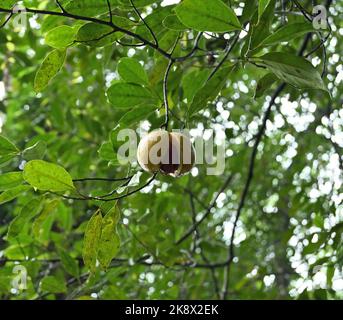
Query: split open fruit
point(171, 153)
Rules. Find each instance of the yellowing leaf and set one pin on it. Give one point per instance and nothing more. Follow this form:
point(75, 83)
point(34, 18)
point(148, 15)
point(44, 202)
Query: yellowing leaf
point(91, 241)
point(51, 65)
point(110, 242)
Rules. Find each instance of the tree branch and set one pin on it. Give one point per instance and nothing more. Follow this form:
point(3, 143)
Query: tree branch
point(110, 10)
point(207, 213)
point(197, 237)
point(145, 23)
point(227, 53)
point(252, 164)
point(247, 185)
point(104, 198)
point(94, 20)
point(165, 87)
point(60, 6)
point(6, 21)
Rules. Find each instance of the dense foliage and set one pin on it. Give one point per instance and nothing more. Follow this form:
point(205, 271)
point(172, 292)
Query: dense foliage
point(258, 73)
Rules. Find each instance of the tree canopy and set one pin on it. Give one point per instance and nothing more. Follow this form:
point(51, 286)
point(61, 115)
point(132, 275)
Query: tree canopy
point(265, 76)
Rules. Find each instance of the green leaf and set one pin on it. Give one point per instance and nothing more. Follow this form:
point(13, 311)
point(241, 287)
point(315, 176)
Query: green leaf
point(154, 21)
point(287, 33)
point(132, 71)
point(49, 208)
point(96, 35)
point(8, 4)
point(173, 23)
point(264, 84)
point(109, 242)
point(262, 6)
point(210, 90)
point(51, 65)
point(138, 3)
point(53, 285)
point(61, 37)
point(36, 151)
point(295, 70)
point(5, 159)
point(47, 176)
point(91, 241)
point(192, 82)
point(330, 272)
point(260, 29)
point(338, 228)
point(106, 152)
point(13, 193)
point(211, 15)
point(167, 41)
point(136, 114)
point(314, 247)
point(69, 264)
point(7, 148)
point(127, 95)
point(90, 8)
point(248, 11)
point(10, 180)
point(29, 211)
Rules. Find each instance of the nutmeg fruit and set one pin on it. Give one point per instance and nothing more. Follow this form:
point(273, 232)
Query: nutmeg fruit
point(170, 153)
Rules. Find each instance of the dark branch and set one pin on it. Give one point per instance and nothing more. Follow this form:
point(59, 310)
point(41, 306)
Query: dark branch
point(197, 236)
point(227, 53)
point(248, 182)
point(252, 164)
point(95, 20)
point(96, 39)
point(194, 49)
point(6, 21)
point(60, 6)
point(102, 179)
point(145, 23)
point(110, 11)
point(104, 198)
point(207, 213)
point(165, 94)
point(165, 87)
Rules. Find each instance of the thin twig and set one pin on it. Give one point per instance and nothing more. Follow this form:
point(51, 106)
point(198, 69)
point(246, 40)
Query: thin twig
point(207, 213)
point(228, 51)
point(307, 15)
point(145, 23)
point(60, 6)
point(244, 195)
point(165, 87)
point(95, 20)
point(86, 198)
point(248, 182)
point(6, 21)
point(96, 39)
point(110, 11)
point(130, 44)
point(165, 95)
point(194, 49)
point(102, 179)
point(197, 236)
